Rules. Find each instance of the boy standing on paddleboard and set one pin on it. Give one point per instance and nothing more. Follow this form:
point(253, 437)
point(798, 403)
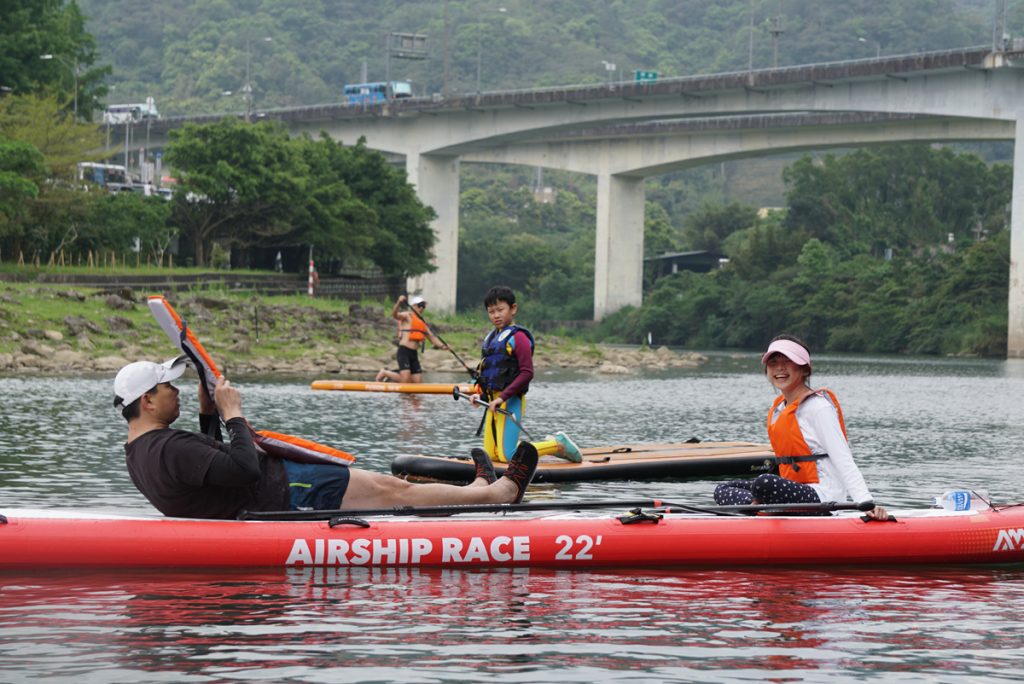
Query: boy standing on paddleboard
point(505, 372)
point(412, 331)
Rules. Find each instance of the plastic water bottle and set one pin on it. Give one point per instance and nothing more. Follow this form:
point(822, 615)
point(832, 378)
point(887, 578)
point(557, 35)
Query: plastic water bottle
point(953, 500)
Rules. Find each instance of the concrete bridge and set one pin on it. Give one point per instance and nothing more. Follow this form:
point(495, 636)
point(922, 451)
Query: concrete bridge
point(626, 132)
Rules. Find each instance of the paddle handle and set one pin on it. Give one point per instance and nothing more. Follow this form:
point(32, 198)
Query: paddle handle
point(457, 394)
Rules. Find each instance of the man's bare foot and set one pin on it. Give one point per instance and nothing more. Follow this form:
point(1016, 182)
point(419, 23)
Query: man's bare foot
point(381, 375)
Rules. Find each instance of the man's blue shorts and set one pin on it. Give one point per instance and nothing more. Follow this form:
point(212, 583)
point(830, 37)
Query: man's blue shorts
point(315, 486)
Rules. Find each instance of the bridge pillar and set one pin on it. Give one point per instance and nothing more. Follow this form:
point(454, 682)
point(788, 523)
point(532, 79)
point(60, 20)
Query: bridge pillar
point(1015, 300)
point(436, 180)
point(619, 250)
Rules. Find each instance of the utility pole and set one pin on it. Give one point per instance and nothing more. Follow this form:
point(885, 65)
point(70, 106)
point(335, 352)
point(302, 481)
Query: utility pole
point(247, 88)
point(444, 75)
point(73, 65)
point(750, 39)
point(776, 30)
point(1000, 36)
point(127, 137)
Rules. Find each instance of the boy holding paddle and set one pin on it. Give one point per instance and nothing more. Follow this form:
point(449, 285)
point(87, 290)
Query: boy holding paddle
point(505, 372)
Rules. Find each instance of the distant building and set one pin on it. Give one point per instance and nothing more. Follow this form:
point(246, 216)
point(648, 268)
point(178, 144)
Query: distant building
point(700, 261)
point(545, 195)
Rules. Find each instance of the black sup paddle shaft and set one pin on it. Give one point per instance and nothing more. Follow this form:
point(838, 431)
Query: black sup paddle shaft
point(668, 506)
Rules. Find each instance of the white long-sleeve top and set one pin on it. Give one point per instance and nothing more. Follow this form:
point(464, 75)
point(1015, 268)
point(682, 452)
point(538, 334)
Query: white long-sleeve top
point(838, 475)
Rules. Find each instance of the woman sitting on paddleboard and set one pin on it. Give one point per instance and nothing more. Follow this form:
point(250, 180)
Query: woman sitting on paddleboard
point(808, 436)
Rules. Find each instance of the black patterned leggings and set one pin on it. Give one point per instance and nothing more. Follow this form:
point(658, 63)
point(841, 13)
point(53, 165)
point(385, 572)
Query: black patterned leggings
point(766, 489)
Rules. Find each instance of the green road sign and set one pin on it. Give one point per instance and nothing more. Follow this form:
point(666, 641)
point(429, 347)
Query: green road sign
point(646, 76)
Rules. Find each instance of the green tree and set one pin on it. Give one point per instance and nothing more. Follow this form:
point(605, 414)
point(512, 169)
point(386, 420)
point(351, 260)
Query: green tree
point(30, 29)
point(660, 236)
point(55, 221)
point(395, 234)
point(903, 197)
point(21, 173)
point(708, 228)
point(239, 183)
point(42, 122)
point(250, 185)
point(116, 221)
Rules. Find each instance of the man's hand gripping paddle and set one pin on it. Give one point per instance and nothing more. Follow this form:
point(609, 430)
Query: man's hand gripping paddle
point(178, 332)
point(457, 394)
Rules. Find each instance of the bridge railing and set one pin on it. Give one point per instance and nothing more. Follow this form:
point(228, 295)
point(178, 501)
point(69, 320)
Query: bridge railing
point(934, 59)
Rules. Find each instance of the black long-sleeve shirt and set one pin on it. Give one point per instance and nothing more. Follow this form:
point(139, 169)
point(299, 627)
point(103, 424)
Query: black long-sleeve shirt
point(189, 475)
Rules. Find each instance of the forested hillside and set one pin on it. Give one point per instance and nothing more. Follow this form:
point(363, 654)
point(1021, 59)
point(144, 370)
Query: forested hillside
point(188, 53)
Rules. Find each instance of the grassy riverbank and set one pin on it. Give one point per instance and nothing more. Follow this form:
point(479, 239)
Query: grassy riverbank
point(61, 328)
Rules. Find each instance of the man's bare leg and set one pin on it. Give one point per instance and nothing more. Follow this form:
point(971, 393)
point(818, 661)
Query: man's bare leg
point(376, 490)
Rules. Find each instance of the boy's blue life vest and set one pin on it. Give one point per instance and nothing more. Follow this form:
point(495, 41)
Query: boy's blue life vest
point(499, 365)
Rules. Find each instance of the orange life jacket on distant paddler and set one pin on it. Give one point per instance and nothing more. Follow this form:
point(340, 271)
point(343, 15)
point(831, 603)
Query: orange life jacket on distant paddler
point(417, 329)
point(796, 462)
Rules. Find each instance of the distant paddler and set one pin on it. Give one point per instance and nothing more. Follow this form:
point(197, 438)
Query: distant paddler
point(413, 331)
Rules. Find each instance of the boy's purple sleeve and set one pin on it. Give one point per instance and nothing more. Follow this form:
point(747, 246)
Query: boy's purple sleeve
point(524, 355)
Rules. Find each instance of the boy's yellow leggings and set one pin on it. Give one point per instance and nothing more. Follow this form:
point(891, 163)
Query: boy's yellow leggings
point(501, 433)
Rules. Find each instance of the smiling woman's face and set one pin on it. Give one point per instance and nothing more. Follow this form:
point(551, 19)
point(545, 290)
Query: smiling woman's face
point(785, 375)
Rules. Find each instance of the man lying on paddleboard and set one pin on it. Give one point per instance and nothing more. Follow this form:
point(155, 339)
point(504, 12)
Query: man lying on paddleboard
point(191, 475)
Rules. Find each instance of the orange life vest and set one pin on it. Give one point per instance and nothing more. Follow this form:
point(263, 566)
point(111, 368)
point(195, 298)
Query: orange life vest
point(298, 449)
point(796, 462)
point(417, 329)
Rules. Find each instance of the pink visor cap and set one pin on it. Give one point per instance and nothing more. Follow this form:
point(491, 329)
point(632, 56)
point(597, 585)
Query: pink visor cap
point(791, 350)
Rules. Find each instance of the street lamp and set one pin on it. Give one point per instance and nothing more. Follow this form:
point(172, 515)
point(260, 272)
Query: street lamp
point(479, 52)
point(610, 68)
point(247, 88)
point(74, 72)
point(878, 45)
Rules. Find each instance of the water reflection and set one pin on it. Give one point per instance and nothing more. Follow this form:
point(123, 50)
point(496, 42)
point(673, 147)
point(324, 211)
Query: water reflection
point(1014, 368)
point(410, 624)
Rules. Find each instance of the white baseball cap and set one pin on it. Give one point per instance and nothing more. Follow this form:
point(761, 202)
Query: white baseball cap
point(416, 299)
point(137, 378)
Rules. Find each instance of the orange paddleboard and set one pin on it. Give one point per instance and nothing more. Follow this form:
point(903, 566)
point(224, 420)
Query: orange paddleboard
point(401, 387)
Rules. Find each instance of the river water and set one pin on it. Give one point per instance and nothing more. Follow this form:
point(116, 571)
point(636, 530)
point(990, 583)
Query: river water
point(918, 427)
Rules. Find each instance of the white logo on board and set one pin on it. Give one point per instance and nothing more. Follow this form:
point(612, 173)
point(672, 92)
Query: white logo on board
point(1010, 540)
